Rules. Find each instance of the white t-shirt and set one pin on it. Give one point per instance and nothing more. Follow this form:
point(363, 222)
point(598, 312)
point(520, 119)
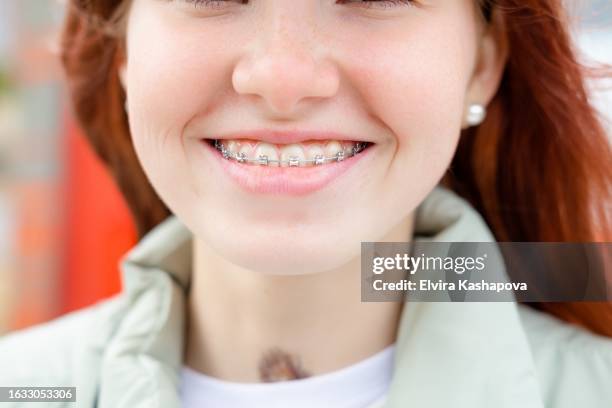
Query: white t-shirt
point(361, 385)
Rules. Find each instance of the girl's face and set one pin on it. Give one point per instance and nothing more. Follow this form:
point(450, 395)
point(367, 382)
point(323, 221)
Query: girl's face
point(290, 79)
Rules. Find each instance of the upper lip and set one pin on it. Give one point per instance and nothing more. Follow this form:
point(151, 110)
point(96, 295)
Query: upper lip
point(286, 137)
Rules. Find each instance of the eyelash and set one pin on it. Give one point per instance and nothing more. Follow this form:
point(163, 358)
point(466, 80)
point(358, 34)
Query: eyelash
point(386, 3)
point(383, 4)
point(214, 4)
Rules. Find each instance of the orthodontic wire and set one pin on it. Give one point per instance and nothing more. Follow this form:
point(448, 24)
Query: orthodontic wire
point(293, 161)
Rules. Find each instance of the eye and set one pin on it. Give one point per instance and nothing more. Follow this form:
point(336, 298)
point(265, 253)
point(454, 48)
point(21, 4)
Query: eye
point(213, 4)
point(360, 3)
point(380, 4)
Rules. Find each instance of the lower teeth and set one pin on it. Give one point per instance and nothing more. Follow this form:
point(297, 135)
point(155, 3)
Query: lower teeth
point(293, 161)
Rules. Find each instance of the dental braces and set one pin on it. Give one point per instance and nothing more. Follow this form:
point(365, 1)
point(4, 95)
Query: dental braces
point(293, 161)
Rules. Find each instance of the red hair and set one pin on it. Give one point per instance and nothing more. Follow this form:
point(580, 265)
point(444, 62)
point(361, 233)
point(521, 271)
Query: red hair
point(537, 169)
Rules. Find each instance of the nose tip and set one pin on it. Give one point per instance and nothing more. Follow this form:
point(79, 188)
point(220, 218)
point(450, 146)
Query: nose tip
point(282, 80)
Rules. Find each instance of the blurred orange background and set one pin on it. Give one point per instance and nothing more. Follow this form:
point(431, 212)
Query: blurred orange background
point(63, 225)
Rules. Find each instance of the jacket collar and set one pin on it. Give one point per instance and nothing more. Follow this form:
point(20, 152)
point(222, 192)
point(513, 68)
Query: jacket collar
point(461, 354)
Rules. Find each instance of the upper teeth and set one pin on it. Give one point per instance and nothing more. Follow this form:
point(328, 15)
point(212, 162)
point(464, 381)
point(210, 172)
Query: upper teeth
point(292, 155)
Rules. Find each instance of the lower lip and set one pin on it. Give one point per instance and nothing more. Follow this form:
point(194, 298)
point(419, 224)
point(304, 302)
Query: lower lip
point(294, 181)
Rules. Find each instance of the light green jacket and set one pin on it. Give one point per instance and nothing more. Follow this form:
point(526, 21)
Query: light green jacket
point(126, 352)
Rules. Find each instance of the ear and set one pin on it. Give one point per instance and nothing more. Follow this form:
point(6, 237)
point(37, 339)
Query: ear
point(121, 63)
point(122, 72)
point(490, 63)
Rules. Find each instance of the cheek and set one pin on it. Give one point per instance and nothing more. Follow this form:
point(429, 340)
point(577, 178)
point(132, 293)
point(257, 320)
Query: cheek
point(417, 88)
point(173, 74)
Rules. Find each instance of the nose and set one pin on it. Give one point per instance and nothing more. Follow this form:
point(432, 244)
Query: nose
point(285, 67)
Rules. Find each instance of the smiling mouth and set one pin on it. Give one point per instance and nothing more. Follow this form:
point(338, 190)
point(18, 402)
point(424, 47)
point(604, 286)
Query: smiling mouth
point(305, 154)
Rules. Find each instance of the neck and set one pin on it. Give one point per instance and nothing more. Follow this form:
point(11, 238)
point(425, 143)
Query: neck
point(246, 326)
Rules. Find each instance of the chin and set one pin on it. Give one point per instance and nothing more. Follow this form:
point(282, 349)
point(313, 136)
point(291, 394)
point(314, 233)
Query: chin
point(285, 254)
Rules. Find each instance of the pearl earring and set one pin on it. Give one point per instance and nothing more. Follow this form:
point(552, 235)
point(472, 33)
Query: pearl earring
point(476, 114)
